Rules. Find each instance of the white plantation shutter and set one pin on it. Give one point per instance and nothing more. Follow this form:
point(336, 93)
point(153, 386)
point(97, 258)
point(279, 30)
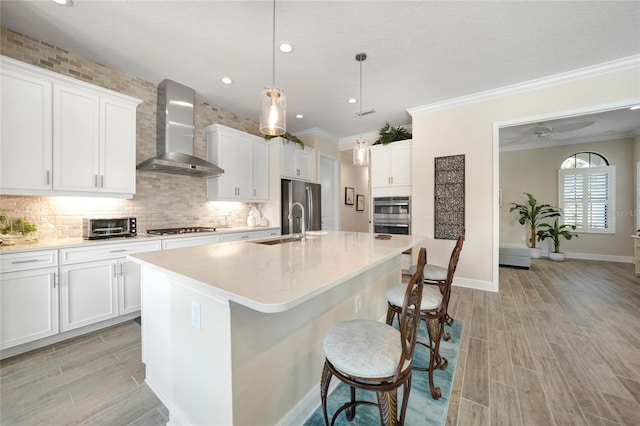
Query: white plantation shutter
point(586, 198)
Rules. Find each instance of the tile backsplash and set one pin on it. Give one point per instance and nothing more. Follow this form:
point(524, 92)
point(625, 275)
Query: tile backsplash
point(161, 200)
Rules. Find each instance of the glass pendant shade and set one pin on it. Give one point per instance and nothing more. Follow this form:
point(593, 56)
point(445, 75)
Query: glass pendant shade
point(360, 157)
point(360, 154)
point(273, 111)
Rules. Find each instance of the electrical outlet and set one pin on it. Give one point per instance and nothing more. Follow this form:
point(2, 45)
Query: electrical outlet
point(195, 315)
point(358, 303)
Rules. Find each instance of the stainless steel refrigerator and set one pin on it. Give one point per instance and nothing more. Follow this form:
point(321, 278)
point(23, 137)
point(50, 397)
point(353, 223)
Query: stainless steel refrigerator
point(307, 194)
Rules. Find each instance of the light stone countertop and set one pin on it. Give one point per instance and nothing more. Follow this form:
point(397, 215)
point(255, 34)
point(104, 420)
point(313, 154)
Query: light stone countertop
point(276, 278)
point(142, 237)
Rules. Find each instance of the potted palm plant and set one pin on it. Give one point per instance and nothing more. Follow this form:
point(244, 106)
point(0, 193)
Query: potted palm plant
point(556, 232)
point(532, 215)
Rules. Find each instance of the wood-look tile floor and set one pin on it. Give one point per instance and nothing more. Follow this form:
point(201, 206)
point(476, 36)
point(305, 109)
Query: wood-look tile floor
point(558, 345)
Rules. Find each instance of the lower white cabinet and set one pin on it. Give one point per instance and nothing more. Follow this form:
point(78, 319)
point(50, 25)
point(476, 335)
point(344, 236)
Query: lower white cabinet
point(98, 283)
point(28, 306)
point(88, 293)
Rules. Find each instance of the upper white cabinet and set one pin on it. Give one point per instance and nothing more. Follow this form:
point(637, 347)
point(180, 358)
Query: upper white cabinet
point(25, 143)
point(296, 162)
point(245, 160)
point(391, 166)
point(61, 136)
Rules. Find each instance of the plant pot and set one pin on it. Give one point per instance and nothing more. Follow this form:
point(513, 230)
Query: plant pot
point(535, 252)
point(558, 257)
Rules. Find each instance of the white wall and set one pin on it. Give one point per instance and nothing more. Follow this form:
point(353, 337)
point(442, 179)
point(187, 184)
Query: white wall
point(468, 128)
point(356, 177)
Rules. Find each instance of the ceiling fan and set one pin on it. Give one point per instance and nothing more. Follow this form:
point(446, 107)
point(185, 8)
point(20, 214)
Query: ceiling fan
point(560, 131)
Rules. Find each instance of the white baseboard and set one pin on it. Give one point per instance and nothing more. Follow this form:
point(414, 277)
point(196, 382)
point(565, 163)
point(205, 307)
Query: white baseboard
point(475, 284)
point(305, 407)
point(64, 335)
point(601, 257)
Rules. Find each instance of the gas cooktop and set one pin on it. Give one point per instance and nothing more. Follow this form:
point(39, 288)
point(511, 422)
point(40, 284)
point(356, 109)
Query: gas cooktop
point(172, 231)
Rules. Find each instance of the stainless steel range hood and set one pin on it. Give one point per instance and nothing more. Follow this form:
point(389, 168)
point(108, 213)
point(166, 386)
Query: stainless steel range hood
point(176, 135)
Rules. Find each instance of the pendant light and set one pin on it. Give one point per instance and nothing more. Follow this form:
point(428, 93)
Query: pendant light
point(360, 157)
point(273, 101)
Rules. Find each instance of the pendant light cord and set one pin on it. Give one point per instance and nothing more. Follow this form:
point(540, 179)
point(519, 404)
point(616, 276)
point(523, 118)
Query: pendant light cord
point(274, 43)
point(360, 118)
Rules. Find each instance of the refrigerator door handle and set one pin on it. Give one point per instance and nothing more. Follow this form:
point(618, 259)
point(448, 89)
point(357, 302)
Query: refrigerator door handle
point(310, 206)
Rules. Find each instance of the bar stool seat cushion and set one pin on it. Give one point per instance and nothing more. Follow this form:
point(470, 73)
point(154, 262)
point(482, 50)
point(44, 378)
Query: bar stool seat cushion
point(431, 272)
point(431, 296)
point(364, 348)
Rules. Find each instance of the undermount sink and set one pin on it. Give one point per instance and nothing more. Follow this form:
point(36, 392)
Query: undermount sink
point(279, 241)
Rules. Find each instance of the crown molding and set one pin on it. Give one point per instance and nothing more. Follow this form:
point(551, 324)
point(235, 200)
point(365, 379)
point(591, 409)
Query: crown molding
point(316, 131)
point(581, 73)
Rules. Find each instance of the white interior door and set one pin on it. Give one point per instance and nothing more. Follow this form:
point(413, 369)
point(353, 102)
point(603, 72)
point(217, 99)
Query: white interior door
point(328, 178)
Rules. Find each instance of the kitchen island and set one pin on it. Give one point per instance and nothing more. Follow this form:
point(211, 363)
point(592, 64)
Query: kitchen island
point(232, 333)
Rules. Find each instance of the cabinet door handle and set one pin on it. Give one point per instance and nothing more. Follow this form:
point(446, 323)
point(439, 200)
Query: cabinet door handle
point(101, 181)
point(15, 262)
point(95, 180)
point(114, 268)
point(48, 177)
point(244, 237)
point(254, 192)
point(117, 251)
point(121, 269)
point(55, 279)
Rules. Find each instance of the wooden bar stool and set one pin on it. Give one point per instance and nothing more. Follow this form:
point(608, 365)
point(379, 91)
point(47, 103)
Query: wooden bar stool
point(370, 355)
point(433, 311)
point(437, 275)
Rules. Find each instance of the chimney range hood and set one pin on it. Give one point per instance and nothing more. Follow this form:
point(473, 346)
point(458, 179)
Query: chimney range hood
point(176, 135)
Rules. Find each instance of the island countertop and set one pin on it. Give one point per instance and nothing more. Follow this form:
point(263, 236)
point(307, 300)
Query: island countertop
point(276, 278)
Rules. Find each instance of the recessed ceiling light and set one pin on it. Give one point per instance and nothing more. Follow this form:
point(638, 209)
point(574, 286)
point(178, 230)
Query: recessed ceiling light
point(635, 107)
point(286, 47)
point(299, 116)
point(63, 2)
point(226, 80)
point(352, 101)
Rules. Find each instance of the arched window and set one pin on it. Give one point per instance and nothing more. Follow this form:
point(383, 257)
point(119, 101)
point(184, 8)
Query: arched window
point(587, 191)
point(584, 160)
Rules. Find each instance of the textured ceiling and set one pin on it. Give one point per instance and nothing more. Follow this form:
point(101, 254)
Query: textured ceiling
point(419, 52)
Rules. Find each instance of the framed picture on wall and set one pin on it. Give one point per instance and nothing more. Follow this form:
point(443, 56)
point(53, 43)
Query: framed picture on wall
point(360, 202)
point(349, 195)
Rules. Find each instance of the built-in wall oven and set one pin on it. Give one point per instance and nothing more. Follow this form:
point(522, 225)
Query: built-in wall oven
point(392, 215)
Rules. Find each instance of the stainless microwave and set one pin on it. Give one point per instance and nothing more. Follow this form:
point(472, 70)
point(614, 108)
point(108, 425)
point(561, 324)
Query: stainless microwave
point(93, 229)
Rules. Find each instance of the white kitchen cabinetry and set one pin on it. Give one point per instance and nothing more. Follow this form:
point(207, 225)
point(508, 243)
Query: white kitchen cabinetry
point(391, 166)
point(296, 162)
point(97, 283)
point(28, 297)
point(61, 136)
point(26, 131)
point(245, 160)
point(171, 243)
point(243, 236)
point(271, 233)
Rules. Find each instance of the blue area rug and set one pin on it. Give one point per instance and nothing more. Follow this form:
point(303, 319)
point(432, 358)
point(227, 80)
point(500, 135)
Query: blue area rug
point(423, 410)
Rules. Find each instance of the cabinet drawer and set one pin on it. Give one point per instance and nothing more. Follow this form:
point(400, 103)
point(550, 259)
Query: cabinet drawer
point(189, 241)
point(107, 251)
point(12, 262)
point(271, 233)
point(241, 236)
